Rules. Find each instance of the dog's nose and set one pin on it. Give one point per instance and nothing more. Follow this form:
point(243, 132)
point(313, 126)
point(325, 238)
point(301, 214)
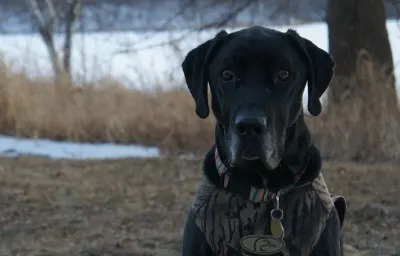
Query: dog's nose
point(250, 125)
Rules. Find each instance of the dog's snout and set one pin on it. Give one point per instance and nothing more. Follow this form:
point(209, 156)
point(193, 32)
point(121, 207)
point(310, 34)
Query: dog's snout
point(250, 125)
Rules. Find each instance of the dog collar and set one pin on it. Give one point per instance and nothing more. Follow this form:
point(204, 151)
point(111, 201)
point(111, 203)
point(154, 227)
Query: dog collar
point(254, 194)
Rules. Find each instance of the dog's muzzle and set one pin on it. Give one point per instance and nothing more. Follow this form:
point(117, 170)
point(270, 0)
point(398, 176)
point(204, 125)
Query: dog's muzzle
point(251, 138)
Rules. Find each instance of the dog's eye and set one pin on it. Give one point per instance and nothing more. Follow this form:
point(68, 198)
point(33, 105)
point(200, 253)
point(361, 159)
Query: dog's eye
point(283, 74)
point(227, 75)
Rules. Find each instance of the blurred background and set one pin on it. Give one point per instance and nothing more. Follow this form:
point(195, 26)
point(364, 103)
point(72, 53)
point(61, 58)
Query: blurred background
point(100, 147)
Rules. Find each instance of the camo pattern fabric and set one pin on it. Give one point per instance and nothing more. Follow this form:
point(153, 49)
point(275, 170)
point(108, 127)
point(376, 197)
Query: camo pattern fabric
point(224, 218)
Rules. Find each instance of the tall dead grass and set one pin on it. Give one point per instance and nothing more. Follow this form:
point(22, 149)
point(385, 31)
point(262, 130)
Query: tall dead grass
point(366, 125)
point(103, 112)
point(361, 128)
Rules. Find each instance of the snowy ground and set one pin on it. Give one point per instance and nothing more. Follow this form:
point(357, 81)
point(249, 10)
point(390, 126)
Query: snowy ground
point(12, 147)
point(139, 59)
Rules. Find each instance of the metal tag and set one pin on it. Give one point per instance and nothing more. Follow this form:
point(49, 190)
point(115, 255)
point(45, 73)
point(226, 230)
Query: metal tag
point(276, 228)
point(268, 244)
point(262, 245)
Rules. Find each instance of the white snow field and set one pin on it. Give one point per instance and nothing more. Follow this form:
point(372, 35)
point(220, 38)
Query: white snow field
point(12, 147)
point(139, 59)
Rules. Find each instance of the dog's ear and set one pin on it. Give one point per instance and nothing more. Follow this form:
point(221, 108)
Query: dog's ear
point(195, 69)
point(320, 67)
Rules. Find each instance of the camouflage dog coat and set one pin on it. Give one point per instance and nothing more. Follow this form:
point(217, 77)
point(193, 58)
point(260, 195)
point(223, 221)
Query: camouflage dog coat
point(226, 219)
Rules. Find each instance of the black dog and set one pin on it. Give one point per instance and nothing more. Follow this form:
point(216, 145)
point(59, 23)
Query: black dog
point(262, 193)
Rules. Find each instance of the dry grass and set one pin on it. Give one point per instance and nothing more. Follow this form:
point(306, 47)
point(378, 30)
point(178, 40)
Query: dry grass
point(137, 207)
point(364, 127)
point(103, 112)
point(109, 112)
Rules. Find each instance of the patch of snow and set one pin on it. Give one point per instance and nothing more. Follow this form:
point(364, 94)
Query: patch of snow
point(10, 146)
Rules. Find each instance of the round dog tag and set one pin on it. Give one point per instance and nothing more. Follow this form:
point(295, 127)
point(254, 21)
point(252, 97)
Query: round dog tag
point(262, 245)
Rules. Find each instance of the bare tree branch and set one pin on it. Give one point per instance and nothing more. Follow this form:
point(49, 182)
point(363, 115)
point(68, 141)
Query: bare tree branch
point(230, 15)
point(52, 22)
point(214, 24)
point(74, 8)
point(37, 14)
point(47, 28)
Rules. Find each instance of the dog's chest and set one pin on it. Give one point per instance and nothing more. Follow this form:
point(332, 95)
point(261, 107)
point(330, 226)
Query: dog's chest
point(225, 218)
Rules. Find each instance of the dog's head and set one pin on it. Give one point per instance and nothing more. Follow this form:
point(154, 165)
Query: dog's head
point(257, 77)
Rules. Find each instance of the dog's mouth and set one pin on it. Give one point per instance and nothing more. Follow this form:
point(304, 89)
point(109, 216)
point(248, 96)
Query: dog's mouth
point(242, 151)
point(250, 154)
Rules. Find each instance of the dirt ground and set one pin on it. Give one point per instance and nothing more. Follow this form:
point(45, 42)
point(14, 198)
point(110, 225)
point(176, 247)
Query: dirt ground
point(137, 206)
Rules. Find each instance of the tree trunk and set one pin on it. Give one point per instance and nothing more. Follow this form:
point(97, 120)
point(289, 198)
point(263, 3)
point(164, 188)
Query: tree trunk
point(363, 91)
point(47, 29)
point(49, 42)
point(355, 26)
point(71, 15)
